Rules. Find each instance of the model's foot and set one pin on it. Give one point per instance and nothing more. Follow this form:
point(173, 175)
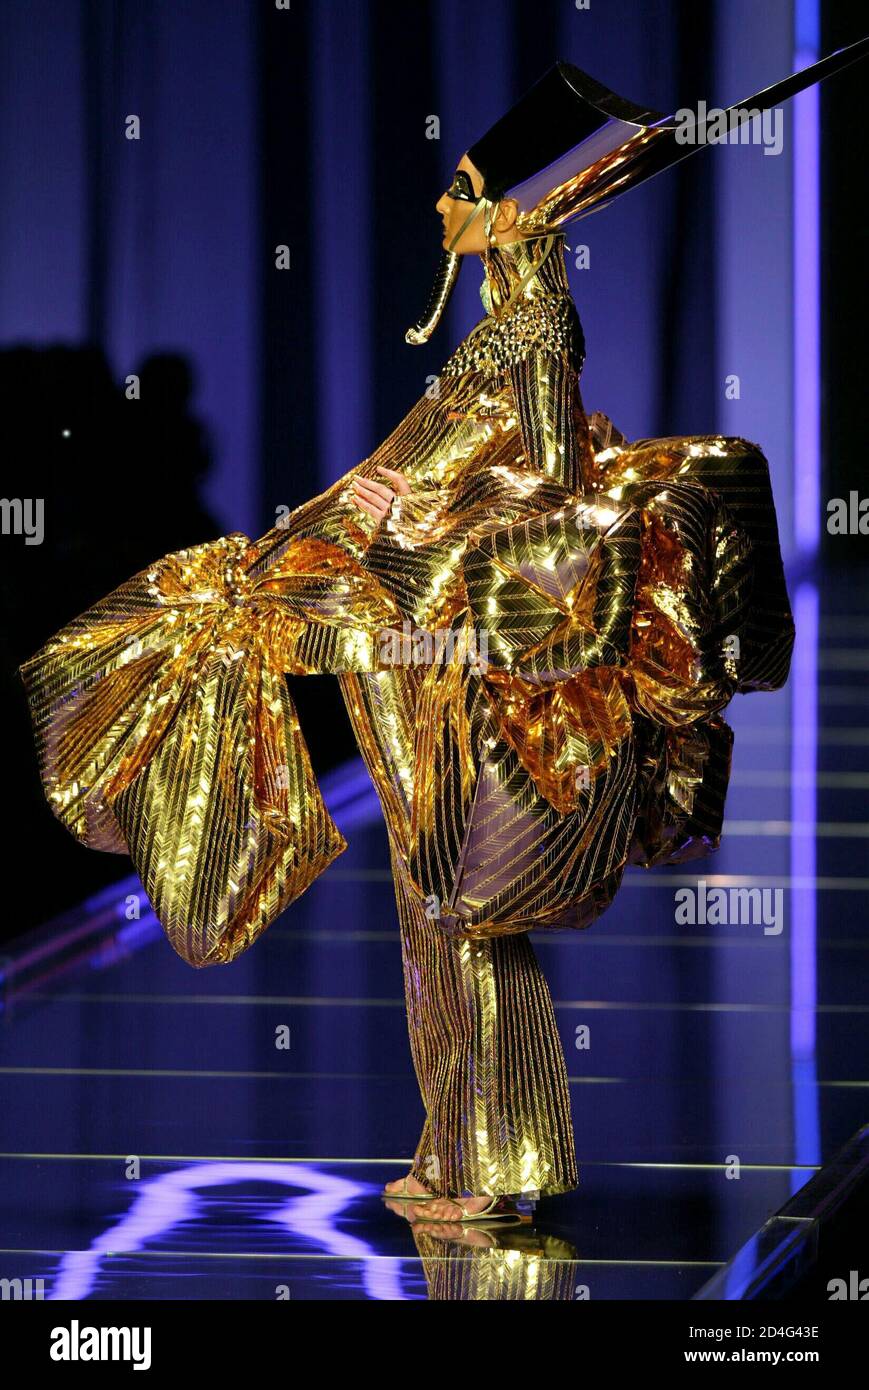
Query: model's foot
point(443, 1209)
point(414, 1188)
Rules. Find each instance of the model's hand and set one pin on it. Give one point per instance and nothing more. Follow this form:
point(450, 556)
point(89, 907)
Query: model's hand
point(376, 498)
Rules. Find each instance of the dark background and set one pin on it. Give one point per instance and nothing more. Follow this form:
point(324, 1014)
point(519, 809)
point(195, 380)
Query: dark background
point(263, 127)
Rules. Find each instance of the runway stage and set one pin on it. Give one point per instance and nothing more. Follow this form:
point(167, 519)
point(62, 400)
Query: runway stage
point(224, 1134)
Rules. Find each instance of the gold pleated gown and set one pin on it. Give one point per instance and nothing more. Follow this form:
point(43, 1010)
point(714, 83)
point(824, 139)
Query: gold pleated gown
point(626, 592)
point(483, 1034)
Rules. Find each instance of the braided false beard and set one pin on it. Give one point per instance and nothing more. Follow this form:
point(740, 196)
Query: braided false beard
point(444, 282)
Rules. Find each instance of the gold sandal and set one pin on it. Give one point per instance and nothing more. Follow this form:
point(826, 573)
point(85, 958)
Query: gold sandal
point(499, 1209)
point(405, 1196)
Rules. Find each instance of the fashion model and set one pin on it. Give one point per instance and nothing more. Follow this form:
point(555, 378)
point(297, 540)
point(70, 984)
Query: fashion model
point(536, 626)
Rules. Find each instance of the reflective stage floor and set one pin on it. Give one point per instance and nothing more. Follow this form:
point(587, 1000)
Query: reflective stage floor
point(158, 1143)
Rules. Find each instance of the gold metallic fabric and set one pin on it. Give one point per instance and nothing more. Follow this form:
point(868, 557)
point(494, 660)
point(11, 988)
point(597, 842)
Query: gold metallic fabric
point(504, 1263)
point(164, 726)
point(616, 596)
point(488, 1060)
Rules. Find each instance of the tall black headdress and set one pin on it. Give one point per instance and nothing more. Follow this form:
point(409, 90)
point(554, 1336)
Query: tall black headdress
point(570, 146)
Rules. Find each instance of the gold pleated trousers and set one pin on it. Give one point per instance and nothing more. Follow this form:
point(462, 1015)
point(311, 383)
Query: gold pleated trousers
point(488, 1060)
point(483, 1036)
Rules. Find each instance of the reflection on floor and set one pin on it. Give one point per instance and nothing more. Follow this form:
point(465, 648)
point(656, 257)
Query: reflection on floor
point(161, 1143)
